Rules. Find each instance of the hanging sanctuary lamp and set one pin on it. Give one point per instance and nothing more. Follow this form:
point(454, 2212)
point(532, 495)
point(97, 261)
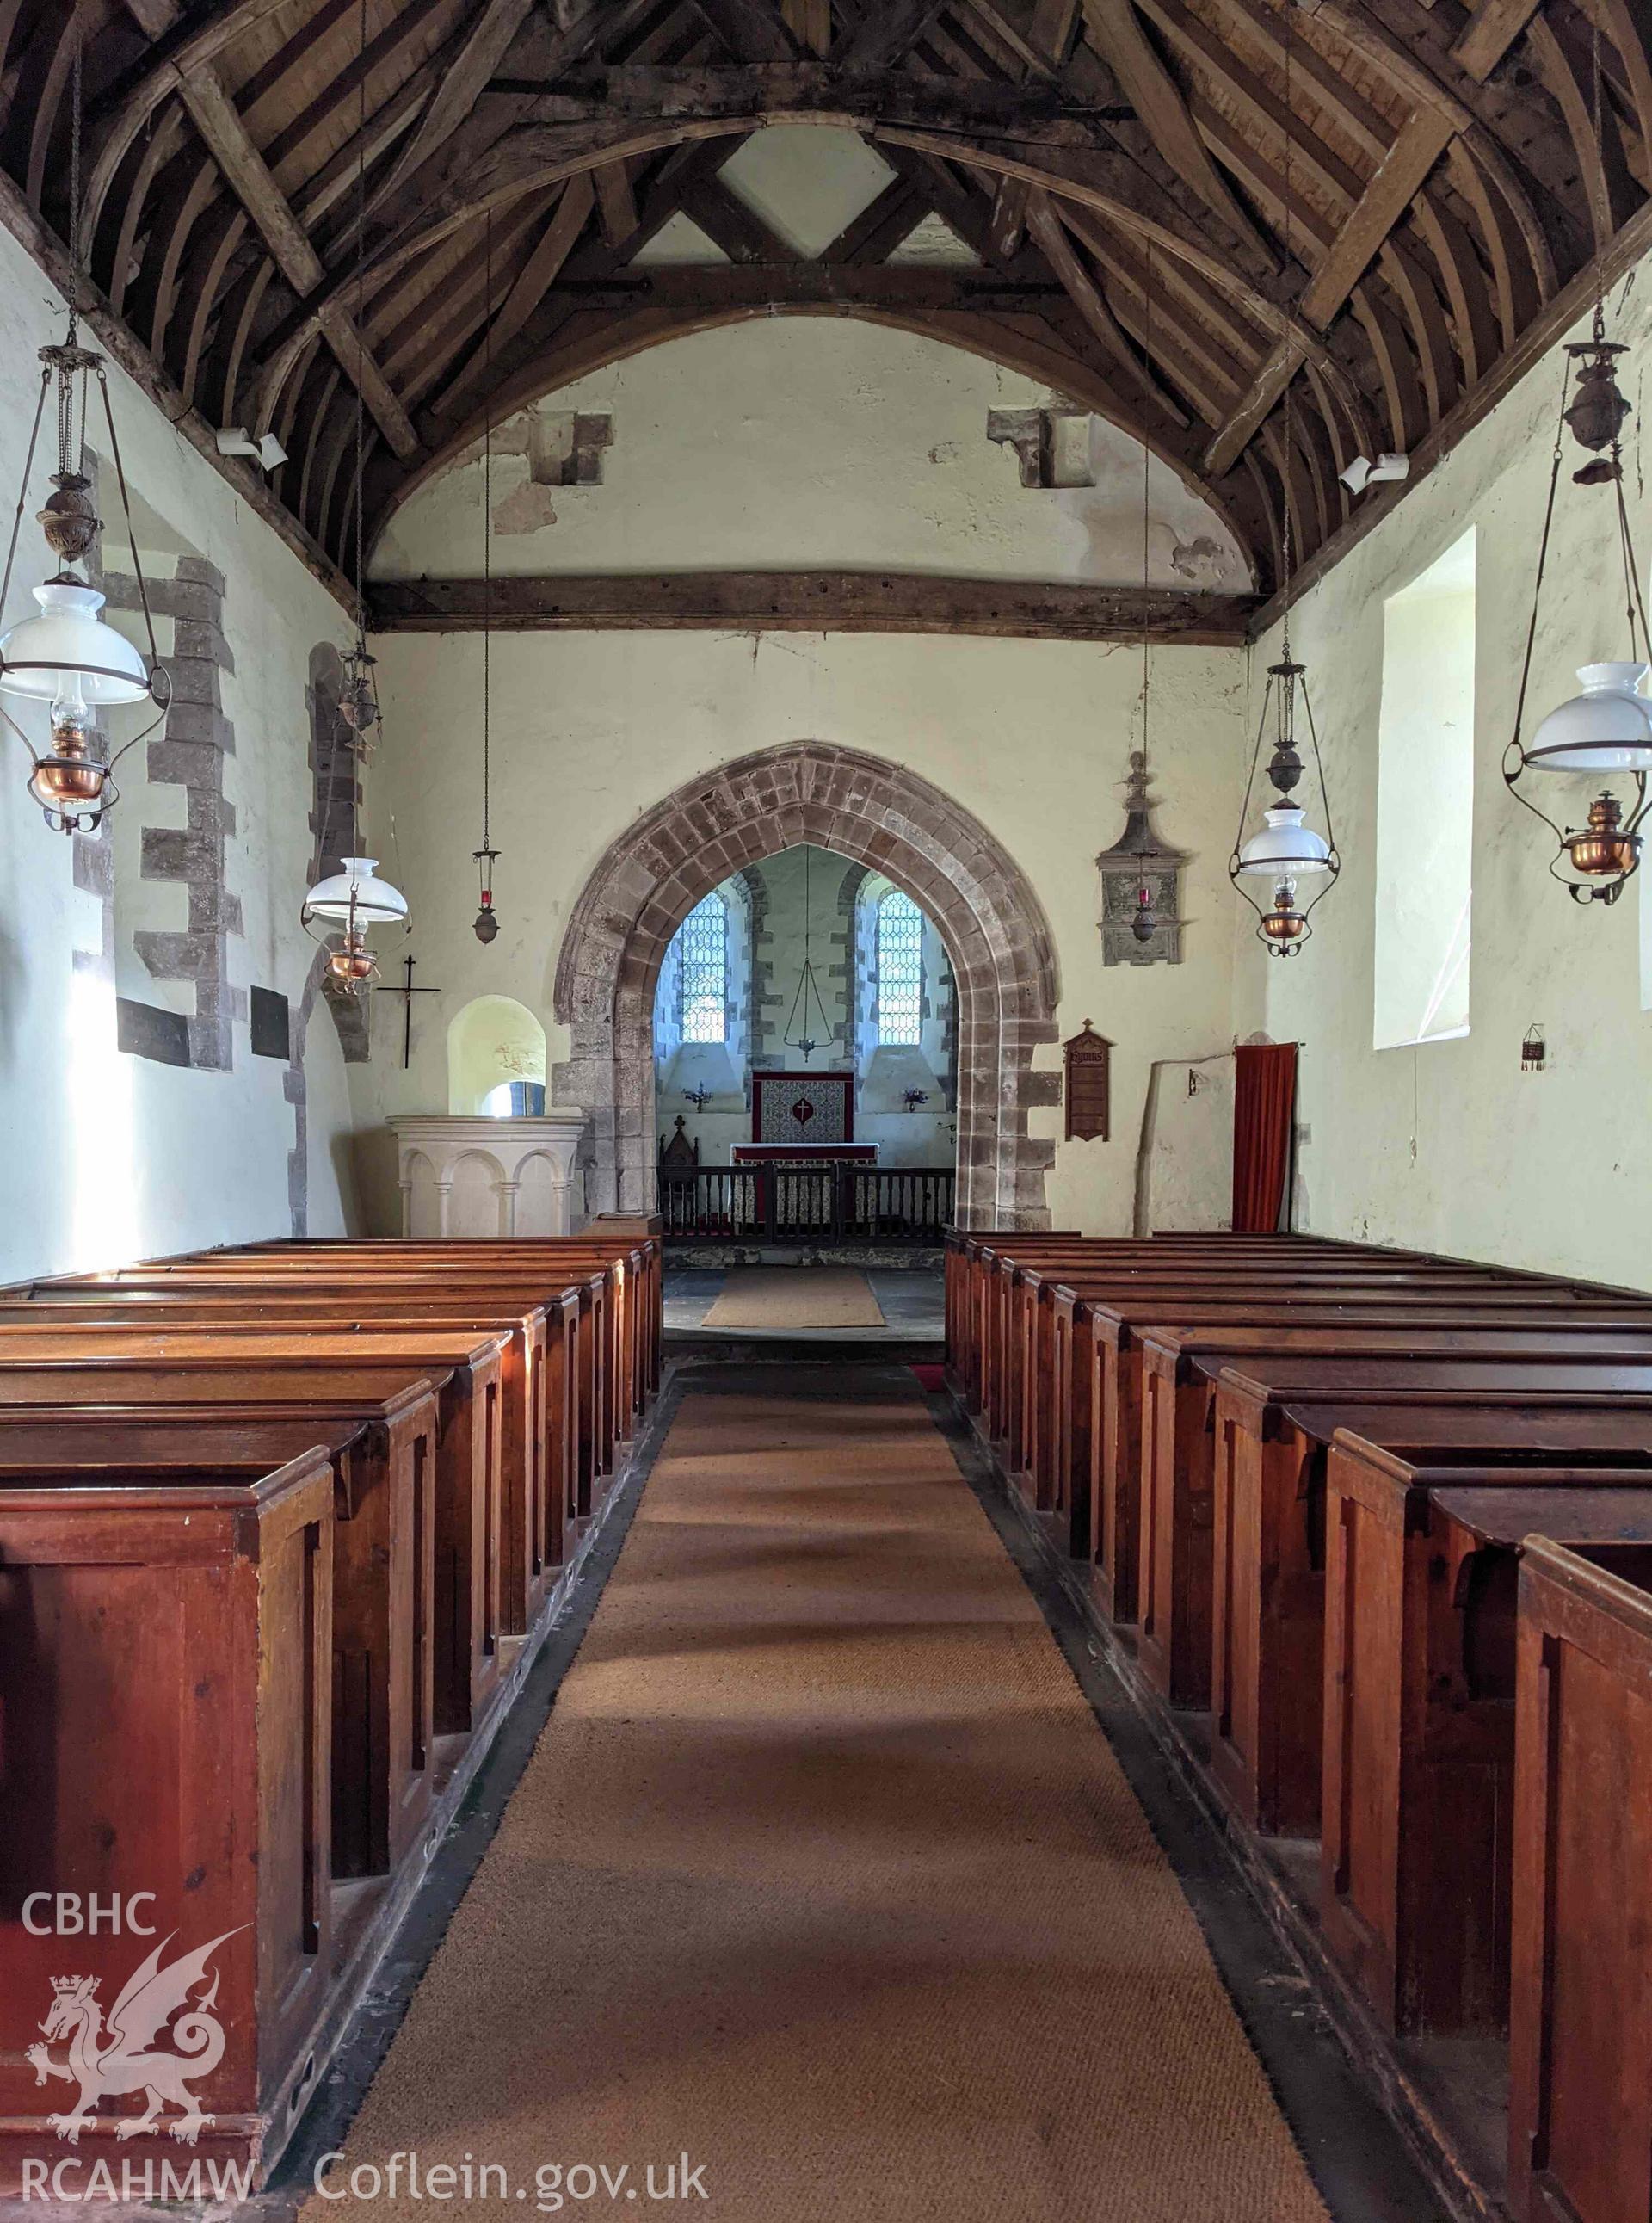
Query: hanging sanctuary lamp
point(485, 925)
point(67, 656)
point(1286, 850)
point(1141, 875)
point(343, 908)
point(808, 990)
point(1607, 729)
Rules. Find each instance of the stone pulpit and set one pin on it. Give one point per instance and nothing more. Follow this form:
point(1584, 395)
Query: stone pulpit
point(479, 1176)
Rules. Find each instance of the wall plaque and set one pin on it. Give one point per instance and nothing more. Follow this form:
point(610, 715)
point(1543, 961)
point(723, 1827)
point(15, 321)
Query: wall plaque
point(1088, 1059)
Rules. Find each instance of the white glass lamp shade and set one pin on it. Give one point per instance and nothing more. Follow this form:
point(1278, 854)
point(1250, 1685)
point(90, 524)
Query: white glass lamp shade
point(1285, 847)
point(69, 654)
point(356, 897)
point(1606, 729)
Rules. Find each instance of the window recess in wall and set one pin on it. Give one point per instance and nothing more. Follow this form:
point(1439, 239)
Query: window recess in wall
point(899, 971)
point(1425, 805)
point(705, 970)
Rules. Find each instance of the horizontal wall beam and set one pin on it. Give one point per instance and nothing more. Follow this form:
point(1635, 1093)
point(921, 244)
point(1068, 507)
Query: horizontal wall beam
point(811, 601)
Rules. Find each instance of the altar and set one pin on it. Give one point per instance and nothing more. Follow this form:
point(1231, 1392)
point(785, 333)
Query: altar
point(812, 1153)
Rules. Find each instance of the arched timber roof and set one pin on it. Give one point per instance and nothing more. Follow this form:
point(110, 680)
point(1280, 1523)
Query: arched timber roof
point(1181, 208)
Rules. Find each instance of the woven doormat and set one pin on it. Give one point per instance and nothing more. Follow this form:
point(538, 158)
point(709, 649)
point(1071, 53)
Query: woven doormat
point(785, 1297)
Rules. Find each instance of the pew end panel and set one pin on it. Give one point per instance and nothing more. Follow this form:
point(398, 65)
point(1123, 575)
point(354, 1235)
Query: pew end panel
point(1580, 2100)
point(184, 1635)
point(1419, 1722)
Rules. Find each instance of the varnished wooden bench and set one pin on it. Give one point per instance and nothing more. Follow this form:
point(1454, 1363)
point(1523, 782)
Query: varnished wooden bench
point(1419, 1698)
point(609, 1236)
point(617, 1332)
point(1580, 2025)
point(1111, 1340)
point(1021, 1366)
point(1048, 1317)
point(633, 1310)
point(383, 1457)
point(1187, 1414)
point(469, 1446)
point(536, 1431)
point(166, 1685)
point(1100, 1367)
point(1266, 1481)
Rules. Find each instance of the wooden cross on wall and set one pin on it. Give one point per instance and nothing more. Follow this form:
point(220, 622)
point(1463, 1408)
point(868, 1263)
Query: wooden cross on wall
point(407, 991)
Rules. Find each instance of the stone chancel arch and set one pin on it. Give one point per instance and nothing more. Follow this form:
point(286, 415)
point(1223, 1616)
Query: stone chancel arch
point(876, 812)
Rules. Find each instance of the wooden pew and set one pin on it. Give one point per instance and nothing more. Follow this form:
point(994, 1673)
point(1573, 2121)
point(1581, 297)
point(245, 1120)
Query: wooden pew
point(623, 1330)
point(466, 1651)
point(609, 1236)
point(613, 1329)
point(1267, 1485)
point(1581, 2026)
point(536, 1432)
point(383, 1457)
point(1187, 1414)
point(634, 1306)
point(1022, 1357)
point(1055, 1460)
point(1095, 1393)
point(1127, 1257)
point(1419, 1698)
point(175, 1641)
point(1103, 1364)
point(997, 1268)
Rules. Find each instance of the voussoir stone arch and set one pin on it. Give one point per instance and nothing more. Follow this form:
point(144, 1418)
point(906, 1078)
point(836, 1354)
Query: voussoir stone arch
point(876, 813)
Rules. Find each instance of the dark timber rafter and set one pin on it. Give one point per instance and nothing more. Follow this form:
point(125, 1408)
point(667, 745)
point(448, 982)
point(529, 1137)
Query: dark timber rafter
point(1454, 176)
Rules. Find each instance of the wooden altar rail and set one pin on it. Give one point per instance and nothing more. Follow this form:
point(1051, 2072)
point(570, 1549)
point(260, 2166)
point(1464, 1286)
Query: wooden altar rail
point(806, 1204)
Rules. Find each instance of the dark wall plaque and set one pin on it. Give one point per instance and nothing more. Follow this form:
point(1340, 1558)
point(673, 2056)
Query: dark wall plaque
point(1089, 1061)
point(271, 1024)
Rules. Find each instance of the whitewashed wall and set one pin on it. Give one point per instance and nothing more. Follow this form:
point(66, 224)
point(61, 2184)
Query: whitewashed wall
point(590, 729)
point(1449, 1145)
point(106, 1155)
point(814, 442)
point(807, 443)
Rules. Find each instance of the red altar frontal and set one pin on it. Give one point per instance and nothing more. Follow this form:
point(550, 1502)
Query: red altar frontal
point(803, 1116)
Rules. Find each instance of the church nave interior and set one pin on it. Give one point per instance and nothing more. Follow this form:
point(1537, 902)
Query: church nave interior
point(826, 1352)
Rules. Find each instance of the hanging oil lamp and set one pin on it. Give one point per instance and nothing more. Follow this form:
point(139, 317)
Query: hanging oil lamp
point(342, 908)
point(67, 656)
point(1608, 727)
point(1286, 850)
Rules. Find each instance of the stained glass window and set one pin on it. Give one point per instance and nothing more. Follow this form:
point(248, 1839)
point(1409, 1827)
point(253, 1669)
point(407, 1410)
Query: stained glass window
point(704, 937)
point(900, 969)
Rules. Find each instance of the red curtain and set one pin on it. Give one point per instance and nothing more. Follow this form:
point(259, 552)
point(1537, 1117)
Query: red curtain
point(1264, 1102)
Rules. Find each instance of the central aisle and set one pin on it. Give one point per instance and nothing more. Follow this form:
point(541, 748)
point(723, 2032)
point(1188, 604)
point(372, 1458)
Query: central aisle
point(823, 1873)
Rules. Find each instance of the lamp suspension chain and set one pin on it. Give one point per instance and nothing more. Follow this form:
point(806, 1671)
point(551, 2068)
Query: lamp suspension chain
point(1144, 923)
point(485, 924)
point(355, 899)
point(1287, 850)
